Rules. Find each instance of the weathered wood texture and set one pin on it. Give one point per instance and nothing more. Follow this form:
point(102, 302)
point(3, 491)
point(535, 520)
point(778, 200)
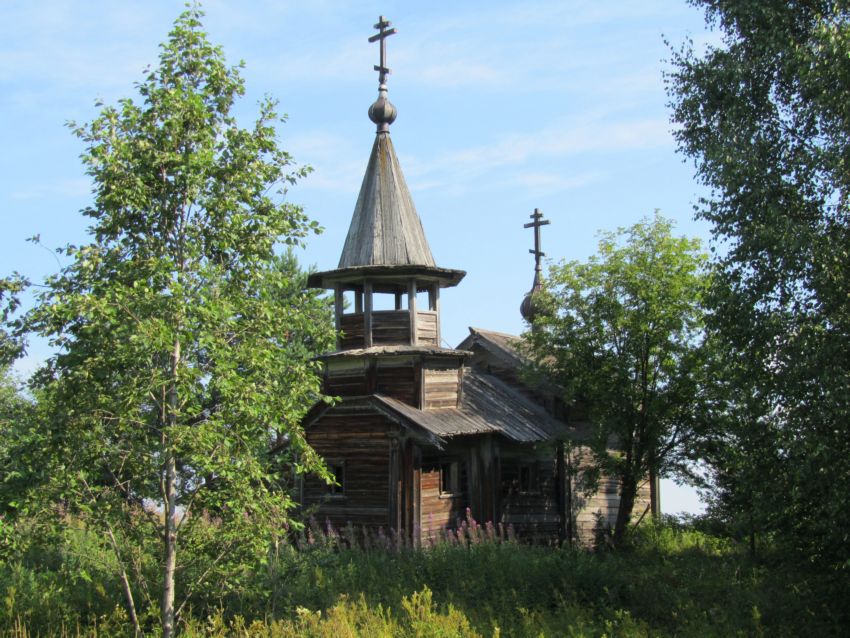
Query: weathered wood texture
point(397, 381)
point(362, 443)
point(426, 328)
point(438, 512)
point(385, 228)
point(441, 386)
point(529, 499)
point(396, 378)
point(346, 381)
point(389, 327)
point(352, 330)
point(600, 507)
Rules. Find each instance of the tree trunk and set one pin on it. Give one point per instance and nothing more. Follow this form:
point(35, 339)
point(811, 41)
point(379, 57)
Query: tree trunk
point(170, 502)
point(170, 561)
point(654, 496)
point(125, 584)
point(628, 491)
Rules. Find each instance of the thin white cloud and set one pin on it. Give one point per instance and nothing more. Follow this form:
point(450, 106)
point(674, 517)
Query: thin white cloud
point(339, 166)
point(546, 183)
point(588, 135)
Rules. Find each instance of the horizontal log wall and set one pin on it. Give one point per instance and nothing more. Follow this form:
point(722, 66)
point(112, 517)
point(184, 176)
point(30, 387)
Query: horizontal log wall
point(601, 506)
point(426, 328)
point(441, 386)
point(361, 442)
point(352, 331)
point(533, 512)
point(346, 381)
point(437, 512)
point(389, 327)
point(397, 381)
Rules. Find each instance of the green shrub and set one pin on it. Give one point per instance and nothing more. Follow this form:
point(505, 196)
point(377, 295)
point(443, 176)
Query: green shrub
point(671, 581)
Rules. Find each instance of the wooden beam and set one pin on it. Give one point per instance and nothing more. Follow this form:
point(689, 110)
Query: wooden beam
point(367, 315)
point(394, 511)
point(339, 308)
point(435, 306)
point(417, 495)
point(411, 308)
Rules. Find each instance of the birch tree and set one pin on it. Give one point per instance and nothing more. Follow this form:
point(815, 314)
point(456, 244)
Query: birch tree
point(180, 340)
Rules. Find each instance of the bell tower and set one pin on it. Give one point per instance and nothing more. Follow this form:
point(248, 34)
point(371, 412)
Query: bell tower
point(387, 284)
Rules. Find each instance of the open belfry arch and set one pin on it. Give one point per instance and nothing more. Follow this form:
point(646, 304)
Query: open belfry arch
point(422, 433)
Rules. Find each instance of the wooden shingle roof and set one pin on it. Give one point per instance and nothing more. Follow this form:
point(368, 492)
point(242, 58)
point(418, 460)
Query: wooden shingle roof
point(385, 229)
point(489, 406)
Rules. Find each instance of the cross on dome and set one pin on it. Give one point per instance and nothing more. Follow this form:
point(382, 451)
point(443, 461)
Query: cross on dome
point(383, 33)
point(382, 112)
point(537, 222)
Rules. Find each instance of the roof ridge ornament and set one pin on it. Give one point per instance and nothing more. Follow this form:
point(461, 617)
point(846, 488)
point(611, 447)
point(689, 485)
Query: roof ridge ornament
point(382, 112)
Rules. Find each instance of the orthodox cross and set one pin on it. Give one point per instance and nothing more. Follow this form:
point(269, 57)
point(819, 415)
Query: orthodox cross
point(383, 33)
point(537, 222)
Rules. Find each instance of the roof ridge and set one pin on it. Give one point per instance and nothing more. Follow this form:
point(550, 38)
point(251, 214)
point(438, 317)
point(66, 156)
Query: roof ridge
point(495, 332)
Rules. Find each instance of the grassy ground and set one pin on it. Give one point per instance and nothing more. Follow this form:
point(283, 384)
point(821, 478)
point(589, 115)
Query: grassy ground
point(672, 582)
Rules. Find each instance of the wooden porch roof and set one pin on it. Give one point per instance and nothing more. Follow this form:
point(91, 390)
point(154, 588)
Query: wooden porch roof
point(488, 406)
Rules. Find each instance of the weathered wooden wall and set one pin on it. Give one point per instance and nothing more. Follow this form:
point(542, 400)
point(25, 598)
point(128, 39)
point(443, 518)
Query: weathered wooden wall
point(396, 377)
point(346, 379)
point(362, 442)
point(389, 327)
point(533, 513)
point(426, 328)
point(437, 512)
point(441, 385)
point(587, 509)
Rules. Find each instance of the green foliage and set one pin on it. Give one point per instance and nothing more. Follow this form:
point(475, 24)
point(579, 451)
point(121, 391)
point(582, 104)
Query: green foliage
point(765, 117)
point(622, 335)
point(183, 343)
point(672, 580)
point(11, 341)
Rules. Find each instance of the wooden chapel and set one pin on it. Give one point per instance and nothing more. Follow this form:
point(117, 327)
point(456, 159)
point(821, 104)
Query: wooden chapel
point(422, 433)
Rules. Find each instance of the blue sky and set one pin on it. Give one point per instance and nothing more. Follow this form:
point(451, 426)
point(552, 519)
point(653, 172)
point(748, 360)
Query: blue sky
point(503, 107)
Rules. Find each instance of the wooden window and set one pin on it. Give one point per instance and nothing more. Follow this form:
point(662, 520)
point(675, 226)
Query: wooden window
point(337, 471)
point(529, 478)
point(451, 478)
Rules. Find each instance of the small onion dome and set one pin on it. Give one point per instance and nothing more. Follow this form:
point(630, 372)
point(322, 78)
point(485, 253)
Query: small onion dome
point(530, 306)
point(382, 112)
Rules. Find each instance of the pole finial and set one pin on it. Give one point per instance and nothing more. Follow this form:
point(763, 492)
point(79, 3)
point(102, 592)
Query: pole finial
point(382, 112)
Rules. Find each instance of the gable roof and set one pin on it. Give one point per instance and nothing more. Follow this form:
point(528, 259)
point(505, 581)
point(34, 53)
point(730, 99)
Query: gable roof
point(385, 229)
point(488, 406)
point(501, 344)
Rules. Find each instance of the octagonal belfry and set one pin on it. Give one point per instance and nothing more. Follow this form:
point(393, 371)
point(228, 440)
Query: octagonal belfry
point(386, 253)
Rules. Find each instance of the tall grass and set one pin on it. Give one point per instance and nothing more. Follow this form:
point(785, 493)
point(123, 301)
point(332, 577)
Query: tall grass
point(479, 582)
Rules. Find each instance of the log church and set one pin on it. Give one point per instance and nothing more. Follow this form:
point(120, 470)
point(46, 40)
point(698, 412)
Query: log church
point(423, 434)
